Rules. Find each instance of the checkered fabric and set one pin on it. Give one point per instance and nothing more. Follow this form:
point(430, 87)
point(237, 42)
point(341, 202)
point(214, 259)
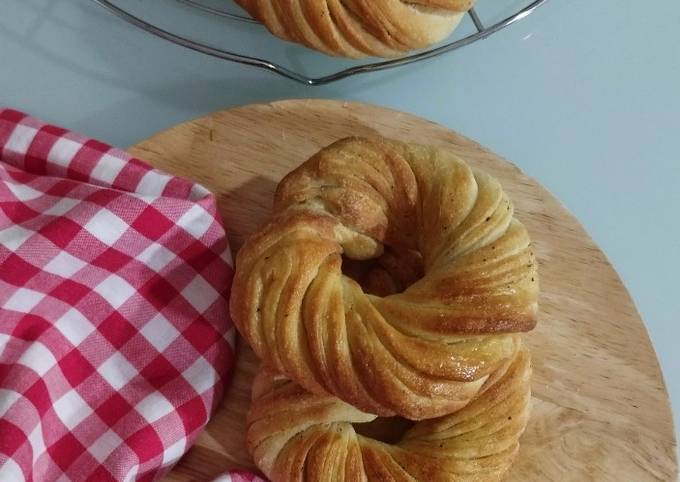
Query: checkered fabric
point(239, 477)
point(115, 341)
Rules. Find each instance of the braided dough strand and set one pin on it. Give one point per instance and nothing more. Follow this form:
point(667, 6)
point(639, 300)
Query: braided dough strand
point(296, 435)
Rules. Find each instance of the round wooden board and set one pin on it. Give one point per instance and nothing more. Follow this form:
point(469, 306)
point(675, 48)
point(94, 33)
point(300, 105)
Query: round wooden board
point(600, 412)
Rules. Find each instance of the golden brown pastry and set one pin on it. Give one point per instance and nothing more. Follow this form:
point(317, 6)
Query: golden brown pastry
point(359, 28)
point(294, 435)
point(409, 210)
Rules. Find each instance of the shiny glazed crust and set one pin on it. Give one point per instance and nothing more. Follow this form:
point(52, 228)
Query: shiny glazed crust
point(294, 435)
point(359, 28)
point(425, 352)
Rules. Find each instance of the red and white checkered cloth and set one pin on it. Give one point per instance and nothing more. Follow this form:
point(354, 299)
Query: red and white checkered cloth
point(115, 341)
point(240, 477)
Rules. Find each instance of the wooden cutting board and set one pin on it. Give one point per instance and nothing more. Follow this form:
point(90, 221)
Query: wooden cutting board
point(601, 411)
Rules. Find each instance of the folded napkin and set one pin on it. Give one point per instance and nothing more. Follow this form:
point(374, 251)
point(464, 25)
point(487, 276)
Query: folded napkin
point(115, 340)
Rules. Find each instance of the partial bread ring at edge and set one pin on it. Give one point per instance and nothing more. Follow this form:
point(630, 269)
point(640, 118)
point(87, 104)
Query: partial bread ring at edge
point(360, 28)
point(422, 353)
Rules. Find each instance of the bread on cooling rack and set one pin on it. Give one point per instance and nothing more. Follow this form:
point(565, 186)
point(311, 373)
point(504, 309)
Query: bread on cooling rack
point(360, 28)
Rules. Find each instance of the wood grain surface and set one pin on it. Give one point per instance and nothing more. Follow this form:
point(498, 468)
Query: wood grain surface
point(600, 412)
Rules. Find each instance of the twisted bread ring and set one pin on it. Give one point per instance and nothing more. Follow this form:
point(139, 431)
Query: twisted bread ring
point(421, 353)
point(295, 435)
point(359, 28)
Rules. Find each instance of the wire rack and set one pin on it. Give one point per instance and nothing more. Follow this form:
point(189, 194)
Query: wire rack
point(481, 31)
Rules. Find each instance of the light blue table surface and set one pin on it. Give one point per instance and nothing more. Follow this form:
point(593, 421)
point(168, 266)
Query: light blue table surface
point(584, 96)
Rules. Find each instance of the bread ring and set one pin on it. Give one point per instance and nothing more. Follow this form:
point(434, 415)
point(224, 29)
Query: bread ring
point(294, 435)
point(424, 352)
point(359, 28)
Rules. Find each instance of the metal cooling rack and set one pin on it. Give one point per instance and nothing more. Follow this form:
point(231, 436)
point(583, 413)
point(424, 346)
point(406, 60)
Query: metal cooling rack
point(482, 31)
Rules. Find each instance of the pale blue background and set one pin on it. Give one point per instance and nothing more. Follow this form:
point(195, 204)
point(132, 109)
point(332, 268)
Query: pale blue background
point(583, 95)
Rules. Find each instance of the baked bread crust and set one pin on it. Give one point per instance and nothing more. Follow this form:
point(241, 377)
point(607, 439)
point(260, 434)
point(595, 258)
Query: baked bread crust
point(425, 352)
point(296, 435)
point(359, 28)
